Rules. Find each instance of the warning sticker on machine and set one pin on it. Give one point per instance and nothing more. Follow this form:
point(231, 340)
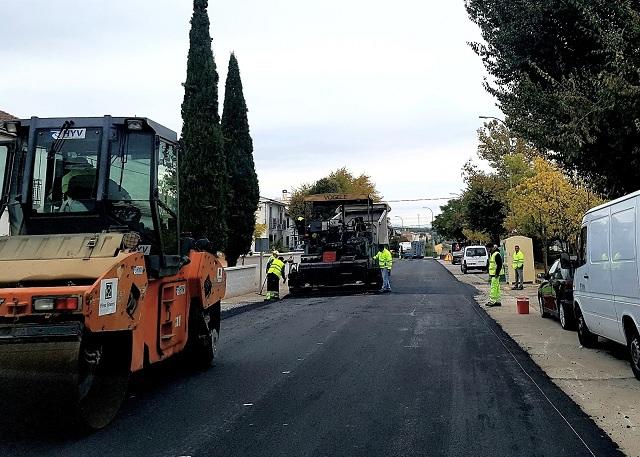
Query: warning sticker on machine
point(108, 296)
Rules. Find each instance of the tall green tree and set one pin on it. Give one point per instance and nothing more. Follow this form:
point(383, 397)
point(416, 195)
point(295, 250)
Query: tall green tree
point(245, 193)
point(548, 206)
point(450, 223)
point(565, 74)
point(484, 206)
point(204, 184)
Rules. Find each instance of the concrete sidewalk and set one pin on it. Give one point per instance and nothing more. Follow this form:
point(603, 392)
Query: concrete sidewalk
point(599, 380)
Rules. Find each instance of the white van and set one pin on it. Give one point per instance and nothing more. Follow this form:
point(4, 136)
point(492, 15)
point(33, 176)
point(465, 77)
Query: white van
point(474, 258)
point(606, 287)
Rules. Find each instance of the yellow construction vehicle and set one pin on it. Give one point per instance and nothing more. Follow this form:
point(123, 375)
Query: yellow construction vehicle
point(95, 281)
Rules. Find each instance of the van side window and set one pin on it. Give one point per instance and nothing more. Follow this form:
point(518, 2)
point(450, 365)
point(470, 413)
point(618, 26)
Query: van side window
point(623, 241)
point(599, 246)
point(582, 258)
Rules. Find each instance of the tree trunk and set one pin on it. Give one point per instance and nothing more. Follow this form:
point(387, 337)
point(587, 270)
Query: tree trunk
point(232, 260)
point(545, 253)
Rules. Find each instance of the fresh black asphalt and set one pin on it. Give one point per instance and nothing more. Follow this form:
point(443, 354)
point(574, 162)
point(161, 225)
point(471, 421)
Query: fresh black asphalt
point(422, 371)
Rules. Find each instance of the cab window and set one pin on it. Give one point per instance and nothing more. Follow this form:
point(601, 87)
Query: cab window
point(168, 196)
point(65, 170)
point(4, 156)
point(168, 176)
point(129, 184)
point(599, 246)
point(582, 255)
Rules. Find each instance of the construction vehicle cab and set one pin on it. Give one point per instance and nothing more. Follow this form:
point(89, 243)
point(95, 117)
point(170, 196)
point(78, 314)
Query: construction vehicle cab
point(341, 234)
point(95, 282)
point(88, 175)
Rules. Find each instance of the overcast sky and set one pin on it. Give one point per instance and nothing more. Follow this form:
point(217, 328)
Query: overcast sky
point(390, 89)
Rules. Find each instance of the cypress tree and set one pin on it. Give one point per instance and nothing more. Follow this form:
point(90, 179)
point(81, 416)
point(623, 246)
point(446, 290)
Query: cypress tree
point(240, 166)
point(203, 175)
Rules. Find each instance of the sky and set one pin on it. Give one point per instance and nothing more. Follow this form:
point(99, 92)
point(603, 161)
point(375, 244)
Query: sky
point(388, 89)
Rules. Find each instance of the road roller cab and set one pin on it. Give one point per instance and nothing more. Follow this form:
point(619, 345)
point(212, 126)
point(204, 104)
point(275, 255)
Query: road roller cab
point(95, 281)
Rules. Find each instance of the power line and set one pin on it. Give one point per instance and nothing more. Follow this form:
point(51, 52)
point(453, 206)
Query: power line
point(419, 199)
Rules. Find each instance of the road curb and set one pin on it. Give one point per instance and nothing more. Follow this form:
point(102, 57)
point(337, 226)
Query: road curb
point(245, 307)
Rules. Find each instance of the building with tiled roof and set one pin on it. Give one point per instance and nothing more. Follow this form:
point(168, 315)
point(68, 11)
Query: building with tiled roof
point(6, 116)
point(4, 135)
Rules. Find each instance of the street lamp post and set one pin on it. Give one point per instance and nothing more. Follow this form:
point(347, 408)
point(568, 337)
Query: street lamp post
point(493, 118)
point(432, 240)
point(431, 211)
point(402, 221)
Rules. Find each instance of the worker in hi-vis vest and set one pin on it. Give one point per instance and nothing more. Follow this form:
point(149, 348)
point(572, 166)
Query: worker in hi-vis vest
point(495, 270)
point(385, 261)
point(518, 267)
point(275, 272)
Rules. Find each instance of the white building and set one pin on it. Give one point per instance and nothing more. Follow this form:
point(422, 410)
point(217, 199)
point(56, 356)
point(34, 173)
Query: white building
point(280, 227)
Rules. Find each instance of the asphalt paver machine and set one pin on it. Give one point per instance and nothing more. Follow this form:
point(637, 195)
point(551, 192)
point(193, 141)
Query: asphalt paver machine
point(95, 281)
point(341, 234)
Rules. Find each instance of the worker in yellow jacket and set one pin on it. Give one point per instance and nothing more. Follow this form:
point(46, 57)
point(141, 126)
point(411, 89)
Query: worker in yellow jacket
point(495, 271)
point(385, 261)
point(518, 267)
point(275, 272)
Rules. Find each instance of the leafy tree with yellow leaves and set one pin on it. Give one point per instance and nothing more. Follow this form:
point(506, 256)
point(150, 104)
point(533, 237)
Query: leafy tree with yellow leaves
point(548, 206)
point(259, 230)
point(476, 237)
point(339, 181)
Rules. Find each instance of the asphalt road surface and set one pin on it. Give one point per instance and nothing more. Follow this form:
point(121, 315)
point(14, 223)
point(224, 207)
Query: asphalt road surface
point(422, 371)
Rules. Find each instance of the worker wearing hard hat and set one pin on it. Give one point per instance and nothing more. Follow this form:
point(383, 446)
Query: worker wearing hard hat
point(275, 272)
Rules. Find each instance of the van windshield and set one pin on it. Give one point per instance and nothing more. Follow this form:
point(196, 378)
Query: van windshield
point(476, 252)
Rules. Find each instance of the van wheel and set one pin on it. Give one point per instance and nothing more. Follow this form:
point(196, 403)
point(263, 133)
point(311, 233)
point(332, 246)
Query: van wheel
point(634, 351)
point(565, 318)
point(586, 338)
point(464, 269)
point(543, 313)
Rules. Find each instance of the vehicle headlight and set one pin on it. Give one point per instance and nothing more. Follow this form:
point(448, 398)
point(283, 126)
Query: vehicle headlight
point(55, 303)
point(43, 304)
